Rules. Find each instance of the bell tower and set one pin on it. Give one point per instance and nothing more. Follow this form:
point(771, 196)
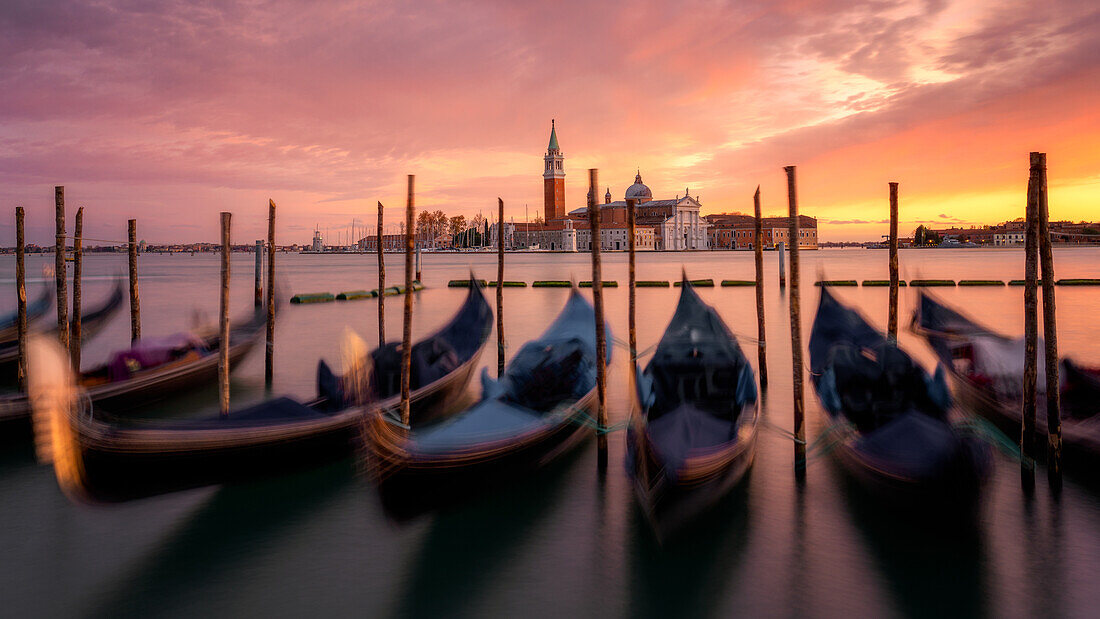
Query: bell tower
point(553, 179)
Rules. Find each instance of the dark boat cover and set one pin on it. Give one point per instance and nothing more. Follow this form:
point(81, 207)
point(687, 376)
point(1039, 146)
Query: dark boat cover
point(544, 379)
point(432, 358)
point(35, 309)
point(696, 385)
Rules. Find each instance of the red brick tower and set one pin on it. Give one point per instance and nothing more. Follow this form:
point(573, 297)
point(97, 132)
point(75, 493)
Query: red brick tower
point(553, 179)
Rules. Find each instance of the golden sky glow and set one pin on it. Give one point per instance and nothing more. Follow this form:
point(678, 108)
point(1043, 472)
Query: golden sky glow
point(173, 114)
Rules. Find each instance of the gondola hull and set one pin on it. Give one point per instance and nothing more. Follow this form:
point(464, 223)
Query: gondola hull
point(954, 491)
point(91, 324)
point(155, 384)
point(890, 426)
point(410, 485)
point(1080, 435)
point(117, 462)
point(670, 506)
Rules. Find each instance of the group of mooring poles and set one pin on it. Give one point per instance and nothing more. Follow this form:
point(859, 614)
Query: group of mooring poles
point(1037, 250)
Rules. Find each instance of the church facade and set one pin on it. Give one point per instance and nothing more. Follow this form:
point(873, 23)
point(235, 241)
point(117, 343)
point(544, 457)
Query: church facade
point(670, 225)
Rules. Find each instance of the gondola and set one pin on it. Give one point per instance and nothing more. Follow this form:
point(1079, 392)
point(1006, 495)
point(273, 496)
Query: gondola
point(91, 323)
point(153, 369)
point(102, 457)
point(524, 420)
point(889, 422)
point(694, 436)
point(987, 371)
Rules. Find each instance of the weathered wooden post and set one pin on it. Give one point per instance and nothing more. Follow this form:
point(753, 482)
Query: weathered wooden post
point(758, 250)
point(796, 329)
point(259, 300)
point(21, 291)
point(892, 319)
point(500, 289)
point(223, 343)
point(779, 249)
point(1031, 332)
point(631, 204)
point(59, 269)
point(597, 305)
point(1050, 329)
point(135, 302)
point(406, 332)
point(78, 273)
point(269, 357)
point(381, 283)
point(417, 277)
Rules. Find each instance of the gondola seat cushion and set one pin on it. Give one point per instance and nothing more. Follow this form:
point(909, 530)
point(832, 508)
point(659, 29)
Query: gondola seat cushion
point(148, 353)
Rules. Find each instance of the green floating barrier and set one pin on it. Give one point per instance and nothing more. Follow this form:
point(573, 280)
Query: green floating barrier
point(1078, 282)
point(698, 283)
point(465, 283)
point(981, 282)
point(882, 282)
point(606, 284)
point(508, 284)
point(650, 283)
point(313, 297)
point(545, 283)
point(738, 282)
point(356, 294)
point(932, 282)
point(1021, 282)
point(836, 282)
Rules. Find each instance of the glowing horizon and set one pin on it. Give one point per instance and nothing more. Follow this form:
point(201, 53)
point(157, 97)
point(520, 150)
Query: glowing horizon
point(172, 114)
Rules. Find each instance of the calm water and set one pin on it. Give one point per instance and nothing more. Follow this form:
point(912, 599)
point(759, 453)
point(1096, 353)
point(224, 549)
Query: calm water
point(564, 543)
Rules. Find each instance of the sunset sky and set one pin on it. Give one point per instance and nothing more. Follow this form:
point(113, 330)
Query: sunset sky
point(172, 111)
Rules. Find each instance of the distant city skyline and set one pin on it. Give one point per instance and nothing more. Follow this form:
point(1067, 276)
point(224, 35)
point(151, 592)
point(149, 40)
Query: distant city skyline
point(170, 115)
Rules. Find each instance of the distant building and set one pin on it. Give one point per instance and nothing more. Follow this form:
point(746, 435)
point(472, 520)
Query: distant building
point(1008, 238)
point(318, 241)
point(736, 231)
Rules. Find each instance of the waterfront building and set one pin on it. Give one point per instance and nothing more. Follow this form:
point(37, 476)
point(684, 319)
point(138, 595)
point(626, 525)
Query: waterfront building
point(736, 231)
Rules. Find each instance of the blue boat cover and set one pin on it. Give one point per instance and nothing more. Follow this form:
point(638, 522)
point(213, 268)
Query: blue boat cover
point(694, 388)
point(544, 379)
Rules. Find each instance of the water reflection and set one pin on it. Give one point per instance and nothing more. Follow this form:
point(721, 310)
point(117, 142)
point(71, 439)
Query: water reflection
point(687, 576)
point(230, 530)
point(934, 566)
point(467, 547)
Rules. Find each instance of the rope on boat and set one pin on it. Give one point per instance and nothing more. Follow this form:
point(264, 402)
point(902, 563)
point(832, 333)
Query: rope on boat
point(822, 446)
point(985, 430)
point(586, 420)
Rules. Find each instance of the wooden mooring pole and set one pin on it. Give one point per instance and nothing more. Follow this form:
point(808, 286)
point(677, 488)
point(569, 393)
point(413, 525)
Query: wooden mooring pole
point(417, 277)
point(1031, 332)
point(1050, 329)
point(597, 304)
point(758, 250)
point(223, 340)
point(892, 317)
point(78, 273)
point(259, 300)
point(135, 302)
point(779, 249)
point(269, 356)
point(631, 204)
point(406, 331)
point(796, 330)
point(59, 269)
point(21, 293)
point(381, 283)
point(500, 288)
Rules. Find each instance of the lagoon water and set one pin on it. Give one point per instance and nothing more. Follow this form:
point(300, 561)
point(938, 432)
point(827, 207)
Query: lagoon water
point(564, 542)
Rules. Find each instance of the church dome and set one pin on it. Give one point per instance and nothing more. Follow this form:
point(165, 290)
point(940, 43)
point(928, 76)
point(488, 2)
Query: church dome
point(638, 191)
